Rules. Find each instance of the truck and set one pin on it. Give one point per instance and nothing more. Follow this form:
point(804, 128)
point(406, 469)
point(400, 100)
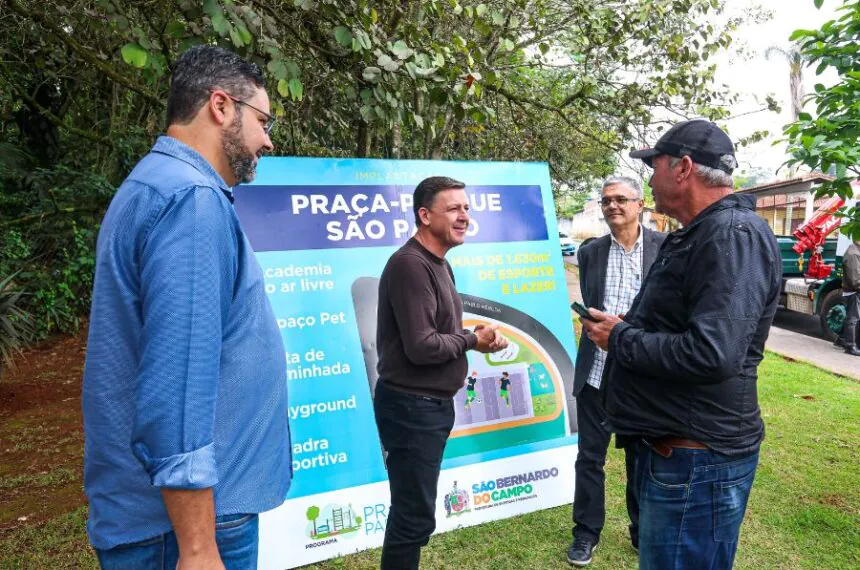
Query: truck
point(813, 285)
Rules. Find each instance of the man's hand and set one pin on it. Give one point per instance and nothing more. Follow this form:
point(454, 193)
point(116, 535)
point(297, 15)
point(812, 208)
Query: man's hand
point(486, 337)
point(192, 513)
point(211, 561)
point(599, 331)
point(500, 343)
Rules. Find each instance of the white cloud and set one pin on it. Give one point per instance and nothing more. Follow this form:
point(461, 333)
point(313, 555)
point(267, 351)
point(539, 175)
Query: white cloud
point(757, 77)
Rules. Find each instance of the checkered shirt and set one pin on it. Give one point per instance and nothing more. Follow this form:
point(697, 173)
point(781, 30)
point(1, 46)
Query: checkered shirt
point(623, 280)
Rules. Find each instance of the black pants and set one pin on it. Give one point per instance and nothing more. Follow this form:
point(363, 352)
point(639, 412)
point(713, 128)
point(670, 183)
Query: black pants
point(413, 431)
point(589, 497)
point(852, 316)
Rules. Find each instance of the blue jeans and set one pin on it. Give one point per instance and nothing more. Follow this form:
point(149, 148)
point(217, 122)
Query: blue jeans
point(691, 506)
point(236, 536)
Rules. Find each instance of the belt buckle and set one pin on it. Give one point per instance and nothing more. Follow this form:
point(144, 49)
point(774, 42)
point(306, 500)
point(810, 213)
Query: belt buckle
point(659, 448)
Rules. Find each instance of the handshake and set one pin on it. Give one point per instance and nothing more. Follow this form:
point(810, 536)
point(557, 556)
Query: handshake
point(490, 339)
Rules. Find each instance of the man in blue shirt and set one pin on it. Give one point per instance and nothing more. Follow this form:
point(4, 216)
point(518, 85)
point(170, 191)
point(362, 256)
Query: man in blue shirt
point(184, 393)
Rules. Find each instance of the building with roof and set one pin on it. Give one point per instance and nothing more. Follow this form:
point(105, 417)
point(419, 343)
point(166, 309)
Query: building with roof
point(786, 204)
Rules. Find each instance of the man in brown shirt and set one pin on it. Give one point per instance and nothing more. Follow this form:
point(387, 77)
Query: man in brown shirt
point(422, 363)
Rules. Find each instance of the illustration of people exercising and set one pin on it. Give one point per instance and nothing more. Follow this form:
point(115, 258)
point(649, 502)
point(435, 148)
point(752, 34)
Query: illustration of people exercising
point(470, 388)
point(504, 383)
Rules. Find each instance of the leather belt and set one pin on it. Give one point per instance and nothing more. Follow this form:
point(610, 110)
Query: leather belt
point(663, 446)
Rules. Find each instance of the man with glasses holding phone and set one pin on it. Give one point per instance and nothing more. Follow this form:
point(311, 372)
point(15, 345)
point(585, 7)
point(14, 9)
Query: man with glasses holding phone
point(184, 392)
point(611, 270)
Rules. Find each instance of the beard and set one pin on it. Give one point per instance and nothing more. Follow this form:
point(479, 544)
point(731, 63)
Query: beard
point(241, 160)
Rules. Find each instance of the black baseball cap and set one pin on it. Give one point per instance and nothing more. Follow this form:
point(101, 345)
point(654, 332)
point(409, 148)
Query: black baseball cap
point(703, 141)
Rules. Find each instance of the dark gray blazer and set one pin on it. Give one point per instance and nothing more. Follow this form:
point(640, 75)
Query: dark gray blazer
point(593, 259)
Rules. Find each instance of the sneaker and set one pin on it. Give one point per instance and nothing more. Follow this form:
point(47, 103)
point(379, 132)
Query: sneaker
point(839, 343)
point(852, 350)
point(580, 552)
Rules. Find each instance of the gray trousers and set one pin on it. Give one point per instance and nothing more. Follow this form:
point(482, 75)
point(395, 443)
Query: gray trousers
point(852, 317)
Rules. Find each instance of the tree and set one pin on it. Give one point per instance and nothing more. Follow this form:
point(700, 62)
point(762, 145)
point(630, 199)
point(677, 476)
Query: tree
point(796, 63)
point(412, 79)
point(832, 139)
point(566, 82)
point(749, 177)
point(313, 514)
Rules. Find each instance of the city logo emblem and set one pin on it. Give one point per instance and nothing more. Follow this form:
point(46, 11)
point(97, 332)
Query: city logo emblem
point(457, 501)
point(332, 521)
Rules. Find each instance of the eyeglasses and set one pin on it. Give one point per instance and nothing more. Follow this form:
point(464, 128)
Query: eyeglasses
point(620, 200)
point(270, 120)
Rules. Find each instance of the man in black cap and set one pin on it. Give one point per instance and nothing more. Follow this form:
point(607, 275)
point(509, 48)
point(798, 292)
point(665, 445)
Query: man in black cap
point(680, 379)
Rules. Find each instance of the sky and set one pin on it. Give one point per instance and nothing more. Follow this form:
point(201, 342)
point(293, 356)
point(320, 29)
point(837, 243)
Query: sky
point(754, 76)
point(745, 70)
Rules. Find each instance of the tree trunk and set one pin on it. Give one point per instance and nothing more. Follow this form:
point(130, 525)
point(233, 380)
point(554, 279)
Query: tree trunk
point(435, 150)
point(396, 142)
point(796, 84)
point(362, 147)
point(796, 80)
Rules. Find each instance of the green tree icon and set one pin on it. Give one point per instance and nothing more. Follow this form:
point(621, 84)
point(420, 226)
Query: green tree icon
point(313, 514)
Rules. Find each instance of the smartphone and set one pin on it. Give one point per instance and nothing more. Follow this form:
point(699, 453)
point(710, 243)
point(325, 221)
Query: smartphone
point(582, 311)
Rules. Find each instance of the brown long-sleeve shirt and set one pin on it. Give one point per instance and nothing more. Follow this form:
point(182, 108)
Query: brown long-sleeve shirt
point(420, 338)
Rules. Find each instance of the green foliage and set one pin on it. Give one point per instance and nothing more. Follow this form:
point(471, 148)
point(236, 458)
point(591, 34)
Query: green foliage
point(566, 83)
point(16, 328)
point(134, 54)
point(66, 294)
point(648, 194)
point(570, 204)
point(61, 288)
point(746, 178)
point(570, 79)
point(48, 238)
point(830, 142)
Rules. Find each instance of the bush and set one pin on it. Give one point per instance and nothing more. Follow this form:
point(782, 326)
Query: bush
point(16, 324)
point(48, 226)
point(60, 284)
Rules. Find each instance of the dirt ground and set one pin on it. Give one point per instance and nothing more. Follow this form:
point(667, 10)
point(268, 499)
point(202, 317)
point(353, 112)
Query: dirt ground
point(41, 434)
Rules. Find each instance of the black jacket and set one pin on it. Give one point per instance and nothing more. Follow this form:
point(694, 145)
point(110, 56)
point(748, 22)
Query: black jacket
point(592, 259)
point(684, 363)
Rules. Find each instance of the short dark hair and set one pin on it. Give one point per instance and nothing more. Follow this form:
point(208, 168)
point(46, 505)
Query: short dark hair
point(203, 68)
point(426, 192)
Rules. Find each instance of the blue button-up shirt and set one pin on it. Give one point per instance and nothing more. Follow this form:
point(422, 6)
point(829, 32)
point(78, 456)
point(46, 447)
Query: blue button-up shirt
point(185, 378)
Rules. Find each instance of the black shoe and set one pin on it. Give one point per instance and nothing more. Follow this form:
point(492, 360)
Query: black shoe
point(580, 552)
point(852, 350)
point(839, 343)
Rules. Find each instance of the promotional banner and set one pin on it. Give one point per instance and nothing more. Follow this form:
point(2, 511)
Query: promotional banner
point(323, 230)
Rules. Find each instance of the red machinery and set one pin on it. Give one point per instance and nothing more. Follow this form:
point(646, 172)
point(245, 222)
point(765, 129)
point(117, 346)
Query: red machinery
point(811, 236)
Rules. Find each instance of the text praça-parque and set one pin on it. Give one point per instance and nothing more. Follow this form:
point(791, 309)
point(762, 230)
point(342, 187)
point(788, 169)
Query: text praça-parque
point(355, 207)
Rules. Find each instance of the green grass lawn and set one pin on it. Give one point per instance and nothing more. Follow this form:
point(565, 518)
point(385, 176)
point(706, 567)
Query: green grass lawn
point(804, 511)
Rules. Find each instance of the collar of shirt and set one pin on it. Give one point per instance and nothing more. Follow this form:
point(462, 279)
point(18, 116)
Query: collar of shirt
point(178, 149)
point(636, 246)
point(742, 201)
